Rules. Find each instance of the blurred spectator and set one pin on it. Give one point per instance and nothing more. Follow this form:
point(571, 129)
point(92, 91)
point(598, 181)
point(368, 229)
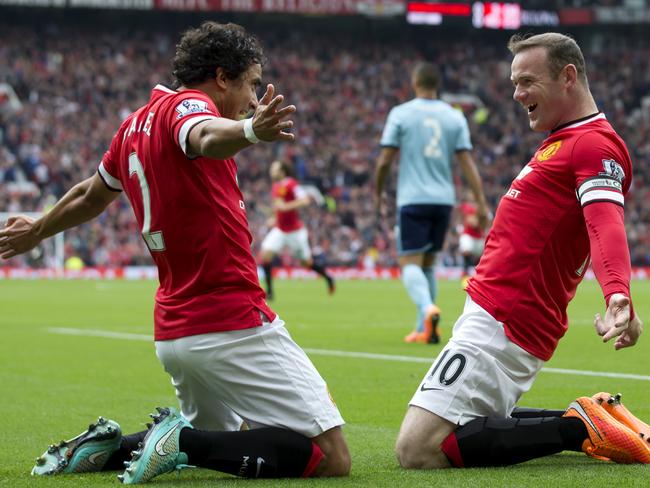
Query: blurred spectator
point(77, 84)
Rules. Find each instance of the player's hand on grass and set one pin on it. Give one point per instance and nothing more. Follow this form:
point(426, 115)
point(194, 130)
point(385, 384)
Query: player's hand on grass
point(270, 121)
point(16, 238)
point(617, 323)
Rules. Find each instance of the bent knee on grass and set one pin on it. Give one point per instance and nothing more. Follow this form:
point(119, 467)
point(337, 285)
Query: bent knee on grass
point(334, 464)
point(420, 438)
point(337, 461)
point(412, 455)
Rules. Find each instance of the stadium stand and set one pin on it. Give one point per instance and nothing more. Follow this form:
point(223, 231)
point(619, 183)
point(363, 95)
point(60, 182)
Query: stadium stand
point(78, 76)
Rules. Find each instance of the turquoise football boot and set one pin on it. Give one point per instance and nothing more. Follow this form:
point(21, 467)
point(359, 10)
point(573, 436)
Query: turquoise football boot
point(86, 453)
point(160, 452)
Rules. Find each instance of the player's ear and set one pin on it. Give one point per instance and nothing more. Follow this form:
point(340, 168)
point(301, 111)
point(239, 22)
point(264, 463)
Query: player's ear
point(221, 79)
point(569, 75)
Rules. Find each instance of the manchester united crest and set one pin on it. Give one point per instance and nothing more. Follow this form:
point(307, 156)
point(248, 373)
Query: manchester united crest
point(549, 151)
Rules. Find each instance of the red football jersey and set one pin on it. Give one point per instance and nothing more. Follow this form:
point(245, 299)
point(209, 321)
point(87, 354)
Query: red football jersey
point(192, 216)
point(467, 210)
point(538, 248)
point(287, 190)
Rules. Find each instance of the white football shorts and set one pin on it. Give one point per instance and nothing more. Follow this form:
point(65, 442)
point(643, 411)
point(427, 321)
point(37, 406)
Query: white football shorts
point(260, 375)
point(297, 241)
point(471, 245)
point(479, 373)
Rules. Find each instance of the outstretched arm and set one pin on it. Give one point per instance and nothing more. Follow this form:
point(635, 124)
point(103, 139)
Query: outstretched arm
point(611, 262)
point(83, 202)
point(222, 138)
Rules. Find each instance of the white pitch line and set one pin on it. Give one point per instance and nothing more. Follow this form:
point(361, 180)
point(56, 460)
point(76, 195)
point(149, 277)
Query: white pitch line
point(348, 354)
point(100, 333)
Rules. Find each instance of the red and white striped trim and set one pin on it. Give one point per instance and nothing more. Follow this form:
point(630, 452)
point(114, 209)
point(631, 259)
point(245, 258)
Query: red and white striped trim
point(602, 196)
point(109, 179)
point(583, 122)
point(601, 189)
point(185, 130)
point(164, 88)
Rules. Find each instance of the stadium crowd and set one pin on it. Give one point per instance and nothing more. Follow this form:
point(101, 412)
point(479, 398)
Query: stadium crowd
point(76, 84)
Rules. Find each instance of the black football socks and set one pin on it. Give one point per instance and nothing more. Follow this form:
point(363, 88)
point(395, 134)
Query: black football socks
point(129, 443)
point(526, 413)
point(320, 269)
point(268, 452)
point(268, 278)
point(489, 441)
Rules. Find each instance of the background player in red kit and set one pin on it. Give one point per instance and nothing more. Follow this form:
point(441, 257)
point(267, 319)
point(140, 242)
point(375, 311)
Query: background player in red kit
point(472, 237)
point(564, 209)
point(229, 355)
point(288, 230)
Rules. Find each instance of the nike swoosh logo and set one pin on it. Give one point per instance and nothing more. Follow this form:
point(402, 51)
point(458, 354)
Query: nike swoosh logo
point(160, 445)
point(422, 388)
point(585, 416)
point(260, 461)
point(93, 457)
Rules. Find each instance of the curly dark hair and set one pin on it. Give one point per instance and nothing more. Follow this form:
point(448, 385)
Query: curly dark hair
point(213, 45)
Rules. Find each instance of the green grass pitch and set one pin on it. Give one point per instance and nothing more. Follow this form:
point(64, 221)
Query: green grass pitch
point(54, 384)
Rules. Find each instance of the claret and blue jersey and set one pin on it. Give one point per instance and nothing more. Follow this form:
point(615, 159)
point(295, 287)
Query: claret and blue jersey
point(428, 133)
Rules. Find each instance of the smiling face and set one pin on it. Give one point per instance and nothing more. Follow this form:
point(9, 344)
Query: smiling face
point(545, 98)
point(241, 94)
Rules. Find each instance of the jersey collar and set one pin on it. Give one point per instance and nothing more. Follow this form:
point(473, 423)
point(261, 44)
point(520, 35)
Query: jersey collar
point(163, 88)
point(577, 123)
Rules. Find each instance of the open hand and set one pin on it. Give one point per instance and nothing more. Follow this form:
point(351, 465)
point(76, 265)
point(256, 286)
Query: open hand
point(617, 323)
point(270, 121)
point(16, 238)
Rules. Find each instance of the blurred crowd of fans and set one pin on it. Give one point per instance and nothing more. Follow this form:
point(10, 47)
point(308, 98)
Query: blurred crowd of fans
point(76, 86)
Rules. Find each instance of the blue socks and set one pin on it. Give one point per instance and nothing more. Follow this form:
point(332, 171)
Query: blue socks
point(417, 286)
point(430, 273)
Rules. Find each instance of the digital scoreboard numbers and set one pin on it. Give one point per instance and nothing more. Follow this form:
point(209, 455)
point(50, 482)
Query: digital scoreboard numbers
point(481, 15)
point(496, 15)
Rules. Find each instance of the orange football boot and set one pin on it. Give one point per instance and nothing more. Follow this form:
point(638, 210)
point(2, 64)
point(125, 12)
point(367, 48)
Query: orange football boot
point(613, 405)
point(412, 337)
point(431, 325)
point(417, 337)
point(608, 438)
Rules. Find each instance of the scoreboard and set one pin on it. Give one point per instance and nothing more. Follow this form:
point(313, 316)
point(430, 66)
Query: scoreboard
point(481, 15)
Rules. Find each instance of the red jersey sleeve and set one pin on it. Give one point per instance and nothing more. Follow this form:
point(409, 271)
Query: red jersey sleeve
point(602, 169)
point(190, 108)
point(290, 187)
point(602, 175)
point(109, 169)
point(608, 247)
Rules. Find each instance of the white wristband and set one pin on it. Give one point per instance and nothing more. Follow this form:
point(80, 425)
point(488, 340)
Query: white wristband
point(249, 133)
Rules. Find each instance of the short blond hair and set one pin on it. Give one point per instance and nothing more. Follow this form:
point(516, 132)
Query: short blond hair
point(561, 49)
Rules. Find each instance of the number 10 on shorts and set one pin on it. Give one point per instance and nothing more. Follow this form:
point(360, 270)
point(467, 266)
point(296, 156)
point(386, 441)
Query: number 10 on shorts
point(445, 372)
